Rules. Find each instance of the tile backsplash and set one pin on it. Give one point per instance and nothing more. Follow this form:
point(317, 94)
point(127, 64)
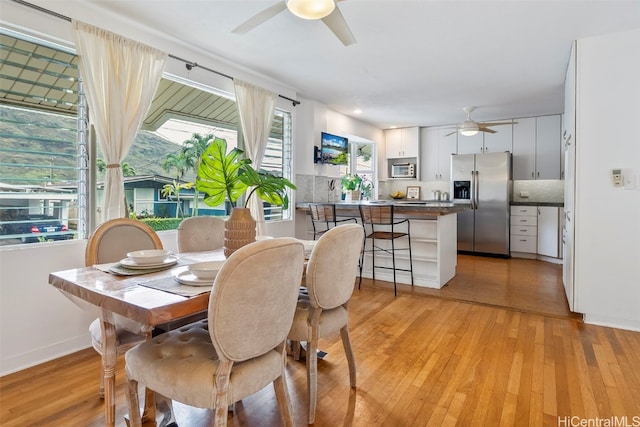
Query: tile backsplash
point(539, 190)
point(312, 188)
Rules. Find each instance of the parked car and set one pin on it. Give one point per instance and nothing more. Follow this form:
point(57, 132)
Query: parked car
point(35, 228)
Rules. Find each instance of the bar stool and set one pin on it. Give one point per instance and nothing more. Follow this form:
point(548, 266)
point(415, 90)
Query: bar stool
point(379, 224)
point(323, 215)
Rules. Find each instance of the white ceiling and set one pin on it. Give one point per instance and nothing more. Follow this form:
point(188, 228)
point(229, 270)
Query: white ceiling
point(415, 63)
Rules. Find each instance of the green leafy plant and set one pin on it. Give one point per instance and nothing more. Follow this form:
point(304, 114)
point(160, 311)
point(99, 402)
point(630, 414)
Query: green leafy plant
point(351, 182)
point(226, 176)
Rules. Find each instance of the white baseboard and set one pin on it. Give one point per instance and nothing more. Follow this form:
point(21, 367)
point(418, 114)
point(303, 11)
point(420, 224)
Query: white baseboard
point(44, 354)
point(612, 322)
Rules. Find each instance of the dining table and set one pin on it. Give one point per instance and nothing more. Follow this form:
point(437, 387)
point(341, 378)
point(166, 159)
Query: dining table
point(150, 297)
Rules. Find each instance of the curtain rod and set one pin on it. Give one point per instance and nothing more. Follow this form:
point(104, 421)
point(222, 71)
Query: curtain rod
point(188, 64)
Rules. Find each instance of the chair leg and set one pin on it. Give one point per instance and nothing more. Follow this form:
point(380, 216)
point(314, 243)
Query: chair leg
point(346, 343)
point(312, 375)
point(134, 403)
point(101, 387)
point(282, 396)
point(393, 261)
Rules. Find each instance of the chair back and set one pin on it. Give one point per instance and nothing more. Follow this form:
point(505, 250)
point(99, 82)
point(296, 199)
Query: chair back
point(322, 212)
point(332, 267)
point(376, 215)
point(111, 240)
point(253, 298)
point(200, 233)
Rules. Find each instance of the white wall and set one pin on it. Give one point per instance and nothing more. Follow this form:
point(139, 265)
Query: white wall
point(607, 278)
point(37, 322)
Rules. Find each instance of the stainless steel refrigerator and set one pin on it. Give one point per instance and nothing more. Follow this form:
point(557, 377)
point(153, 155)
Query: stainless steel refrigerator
point(483, 182)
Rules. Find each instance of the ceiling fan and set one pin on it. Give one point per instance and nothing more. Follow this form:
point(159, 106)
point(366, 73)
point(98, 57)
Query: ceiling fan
point(327, 10)
point(470, 127)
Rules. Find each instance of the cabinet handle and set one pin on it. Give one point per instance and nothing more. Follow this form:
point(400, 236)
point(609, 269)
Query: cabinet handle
point(523, 240)
point(523, 230)
point(538, 174)
point(532, 175)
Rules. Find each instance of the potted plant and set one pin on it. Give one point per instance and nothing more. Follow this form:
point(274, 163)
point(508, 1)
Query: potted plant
point(226, 176)
point(351, 187)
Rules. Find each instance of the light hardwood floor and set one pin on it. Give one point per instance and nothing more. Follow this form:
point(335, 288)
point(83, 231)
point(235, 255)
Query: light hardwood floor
point(514, 357)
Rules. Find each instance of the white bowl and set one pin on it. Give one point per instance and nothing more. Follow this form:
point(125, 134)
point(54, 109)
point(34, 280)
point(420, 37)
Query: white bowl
point(149, 256)
point(206, 270)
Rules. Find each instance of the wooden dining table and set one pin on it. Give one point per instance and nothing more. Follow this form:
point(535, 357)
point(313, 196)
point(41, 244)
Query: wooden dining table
point(124, 295)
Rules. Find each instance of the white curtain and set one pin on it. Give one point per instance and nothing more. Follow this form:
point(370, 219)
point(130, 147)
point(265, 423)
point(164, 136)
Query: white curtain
point(256, 107)
point(120, 79)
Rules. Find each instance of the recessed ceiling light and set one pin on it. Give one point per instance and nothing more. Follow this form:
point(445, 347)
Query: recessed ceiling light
point(357, 111)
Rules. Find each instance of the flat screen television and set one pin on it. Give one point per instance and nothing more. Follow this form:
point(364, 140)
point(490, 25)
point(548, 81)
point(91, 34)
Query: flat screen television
point(334, 149)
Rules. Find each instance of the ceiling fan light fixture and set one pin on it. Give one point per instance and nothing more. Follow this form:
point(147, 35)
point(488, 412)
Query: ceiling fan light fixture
point(469, 128)
point(311, 9)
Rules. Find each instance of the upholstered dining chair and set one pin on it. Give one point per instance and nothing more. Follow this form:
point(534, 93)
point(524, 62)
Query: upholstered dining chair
point(110, 242)
point(251, 307)
point(323, 309)
point(200, 233)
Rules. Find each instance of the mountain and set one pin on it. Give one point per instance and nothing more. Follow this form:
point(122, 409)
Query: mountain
point(37, 148)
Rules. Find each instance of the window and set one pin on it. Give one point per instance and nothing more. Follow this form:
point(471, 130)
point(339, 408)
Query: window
point(40, 148)
point(44, 179)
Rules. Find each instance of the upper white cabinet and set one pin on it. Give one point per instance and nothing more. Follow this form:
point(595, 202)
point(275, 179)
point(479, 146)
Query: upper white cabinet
point(439, 144)
point(403, 142)
point(485, 142)
point(536, 148)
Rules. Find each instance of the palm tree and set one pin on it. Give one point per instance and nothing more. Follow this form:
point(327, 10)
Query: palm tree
point(181, 163)
point(193, 149)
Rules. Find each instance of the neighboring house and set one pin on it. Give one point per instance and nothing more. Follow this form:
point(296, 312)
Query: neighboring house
point(144, 198)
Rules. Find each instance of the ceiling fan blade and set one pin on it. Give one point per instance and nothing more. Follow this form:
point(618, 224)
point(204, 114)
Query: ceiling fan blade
point(486, 129)
point(260, 18)
point(336, 23)
point(495, 123)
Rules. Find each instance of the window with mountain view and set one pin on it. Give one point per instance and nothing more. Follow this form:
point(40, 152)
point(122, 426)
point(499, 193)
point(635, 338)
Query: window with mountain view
point(44, 179)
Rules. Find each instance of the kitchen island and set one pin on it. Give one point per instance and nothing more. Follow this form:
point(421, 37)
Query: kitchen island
point(433, 239)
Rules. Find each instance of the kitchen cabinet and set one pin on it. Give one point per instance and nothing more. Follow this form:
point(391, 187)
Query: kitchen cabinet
point(433, 254)
point(403, 142)
point(524, 229)
point(436, 155)
point(548, 229)
point(485, 142)
point(536, 148)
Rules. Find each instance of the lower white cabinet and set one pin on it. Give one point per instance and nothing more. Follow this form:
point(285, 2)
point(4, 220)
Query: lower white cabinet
point(524, 229)
point(535, 231)
point(433, 252)
point(548, 231)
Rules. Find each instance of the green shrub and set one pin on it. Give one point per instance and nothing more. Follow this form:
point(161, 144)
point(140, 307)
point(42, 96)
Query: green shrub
point(161, 224)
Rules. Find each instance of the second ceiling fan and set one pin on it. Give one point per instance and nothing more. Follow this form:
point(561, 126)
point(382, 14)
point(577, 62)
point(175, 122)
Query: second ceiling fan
point(326, 10)
point(470, 127)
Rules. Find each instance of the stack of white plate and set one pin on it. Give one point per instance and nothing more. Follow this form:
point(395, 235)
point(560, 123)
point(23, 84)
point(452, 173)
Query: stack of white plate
point(149, 258)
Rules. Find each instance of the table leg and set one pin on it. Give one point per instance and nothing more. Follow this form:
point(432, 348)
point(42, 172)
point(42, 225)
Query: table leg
point(109, 371)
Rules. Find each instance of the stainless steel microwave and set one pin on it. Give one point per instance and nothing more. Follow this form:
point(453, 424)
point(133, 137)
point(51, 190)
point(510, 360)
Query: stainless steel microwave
point(403, 170)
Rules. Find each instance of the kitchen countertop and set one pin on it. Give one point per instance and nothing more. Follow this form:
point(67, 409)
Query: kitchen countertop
point(405, 208)
point(552, 204)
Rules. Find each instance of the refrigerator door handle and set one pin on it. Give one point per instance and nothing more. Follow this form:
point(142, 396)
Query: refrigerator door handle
point(472, 197)
point(476, 183)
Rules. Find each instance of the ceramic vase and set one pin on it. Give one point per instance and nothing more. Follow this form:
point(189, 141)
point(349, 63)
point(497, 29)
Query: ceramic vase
point(239, 230)
point(351, 195)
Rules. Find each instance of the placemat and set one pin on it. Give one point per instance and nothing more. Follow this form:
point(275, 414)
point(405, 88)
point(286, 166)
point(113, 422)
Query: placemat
point(171, 285)
point(119, 269)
